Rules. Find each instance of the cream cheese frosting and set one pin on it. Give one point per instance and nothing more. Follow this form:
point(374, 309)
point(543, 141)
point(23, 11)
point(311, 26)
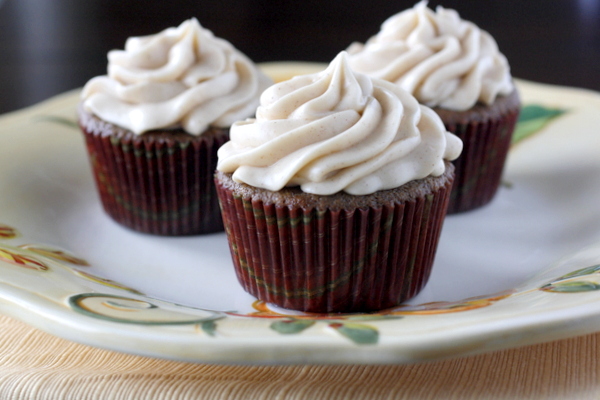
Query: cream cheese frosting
point(438, 57)
point(182, 77)
point(337, 130)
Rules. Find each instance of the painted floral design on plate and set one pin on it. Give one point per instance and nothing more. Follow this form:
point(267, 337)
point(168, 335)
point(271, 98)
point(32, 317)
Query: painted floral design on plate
point(356, 328)
point(57, 286)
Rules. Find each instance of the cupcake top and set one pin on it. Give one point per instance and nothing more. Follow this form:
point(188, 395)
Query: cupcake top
point(337, 130)
point(182, 77)
point(441, 59)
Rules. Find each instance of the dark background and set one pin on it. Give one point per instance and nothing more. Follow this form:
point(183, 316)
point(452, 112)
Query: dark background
point(50, 46)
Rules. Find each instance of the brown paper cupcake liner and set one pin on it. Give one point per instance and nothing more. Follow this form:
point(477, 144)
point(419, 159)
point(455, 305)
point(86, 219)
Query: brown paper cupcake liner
point(333, 260)
point(160, 182)
point(486, 134)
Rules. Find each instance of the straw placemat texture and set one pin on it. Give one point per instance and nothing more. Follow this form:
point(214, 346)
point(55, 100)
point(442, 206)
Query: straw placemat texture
point(36, 365)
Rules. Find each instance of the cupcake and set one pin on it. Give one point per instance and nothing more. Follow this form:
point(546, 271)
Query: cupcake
point(153, 126)
point(333, 197)
point(456, 68)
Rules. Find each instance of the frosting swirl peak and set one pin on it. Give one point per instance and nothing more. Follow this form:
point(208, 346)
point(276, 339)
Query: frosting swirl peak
point(181, 77)
point(438, 57)
point(337, 130)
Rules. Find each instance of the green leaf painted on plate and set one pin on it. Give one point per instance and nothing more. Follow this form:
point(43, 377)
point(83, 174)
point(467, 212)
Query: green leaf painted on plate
point(209, 327)
point(536, 111)
point(58, 120)
point(358, 333)
point(571, 287)
point(291, 326)
point(581, 272)
point(533, 118)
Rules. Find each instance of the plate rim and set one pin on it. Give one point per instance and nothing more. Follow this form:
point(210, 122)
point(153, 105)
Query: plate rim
point(581, 319)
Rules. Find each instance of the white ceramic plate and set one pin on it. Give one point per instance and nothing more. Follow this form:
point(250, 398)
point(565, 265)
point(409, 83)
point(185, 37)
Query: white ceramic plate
point(523, 270)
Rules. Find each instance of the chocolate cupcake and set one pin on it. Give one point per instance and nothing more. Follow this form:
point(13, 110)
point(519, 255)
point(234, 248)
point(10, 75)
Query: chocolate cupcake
point(334, 196)
point(153, 126)
point(456, 68)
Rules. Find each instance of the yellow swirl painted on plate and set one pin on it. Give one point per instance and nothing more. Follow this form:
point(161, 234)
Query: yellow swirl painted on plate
point(134, 311)
point(55, 254)
point(106, 282)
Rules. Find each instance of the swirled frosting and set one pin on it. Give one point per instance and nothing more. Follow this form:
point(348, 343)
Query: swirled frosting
point(438, 57)
point(182, 77)
point(337, 130)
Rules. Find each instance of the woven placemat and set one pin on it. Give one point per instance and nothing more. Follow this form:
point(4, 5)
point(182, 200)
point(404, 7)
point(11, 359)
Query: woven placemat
point(36, 365)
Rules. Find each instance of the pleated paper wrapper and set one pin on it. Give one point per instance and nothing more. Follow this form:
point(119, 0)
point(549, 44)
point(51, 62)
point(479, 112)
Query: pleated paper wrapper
point(159, 182)
point(333, 260)
point(486, 140)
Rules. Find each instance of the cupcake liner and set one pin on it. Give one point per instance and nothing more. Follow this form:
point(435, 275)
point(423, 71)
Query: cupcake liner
point(333, 260)
point(160, 182)
point(486, 140)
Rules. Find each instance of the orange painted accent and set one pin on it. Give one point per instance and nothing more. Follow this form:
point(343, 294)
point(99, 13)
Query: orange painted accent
point(8, 232)
point(22, 261)
point(442, 307)
point(439, 307)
